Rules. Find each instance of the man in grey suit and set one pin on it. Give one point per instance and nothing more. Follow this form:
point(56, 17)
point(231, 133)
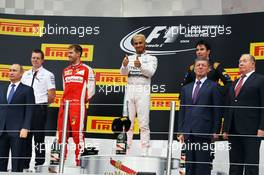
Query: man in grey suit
point(197, 124)
point(244, 121)
point(15, 121)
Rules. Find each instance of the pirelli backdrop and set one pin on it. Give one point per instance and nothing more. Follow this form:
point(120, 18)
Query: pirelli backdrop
point(106, 41)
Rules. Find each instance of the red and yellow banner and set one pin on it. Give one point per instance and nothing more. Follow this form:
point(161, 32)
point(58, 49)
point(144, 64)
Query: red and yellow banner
point(158, 101)
point(57, 100)
point(21, 27)
point(4, 71)
point(103, 125)
point(110, 77)
point(60, 52)
point(257, 50)
point(161, 101)
point(233, 73)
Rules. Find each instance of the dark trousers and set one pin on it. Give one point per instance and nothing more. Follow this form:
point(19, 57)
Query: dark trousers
point(15, 144)
point(198, 159)
point(244, 150)
point(38, 131)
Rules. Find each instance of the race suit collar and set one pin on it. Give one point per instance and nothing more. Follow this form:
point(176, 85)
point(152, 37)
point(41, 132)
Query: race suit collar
point(76, 65)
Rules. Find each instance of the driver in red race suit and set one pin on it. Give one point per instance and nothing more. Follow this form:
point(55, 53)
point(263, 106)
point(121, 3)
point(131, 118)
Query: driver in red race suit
point(79, 87)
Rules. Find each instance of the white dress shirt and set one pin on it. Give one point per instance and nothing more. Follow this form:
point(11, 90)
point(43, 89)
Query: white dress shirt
point(245, 78)
point(43, 82)
point(202, 81)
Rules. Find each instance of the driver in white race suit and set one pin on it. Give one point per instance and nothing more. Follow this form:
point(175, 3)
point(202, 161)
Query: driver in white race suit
point(139, 68)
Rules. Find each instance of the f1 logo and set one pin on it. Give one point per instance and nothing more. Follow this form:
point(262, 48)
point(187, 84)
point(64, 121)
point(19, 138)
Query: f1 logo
point(169, 35)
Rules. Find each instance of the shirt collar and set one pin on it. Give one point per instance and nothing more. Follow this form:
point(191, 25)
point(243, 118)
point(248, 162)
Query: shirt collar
point(144, 53)
point(202, 80)
point(17, 83)
point(39, 69)
point(249, 73)
point(76, 65)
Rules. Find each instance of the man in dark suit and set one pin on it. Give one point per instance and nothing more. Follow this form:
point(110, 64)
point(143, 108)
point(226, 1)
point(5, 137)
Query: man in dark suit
point(15, 121)
point(244, 125)
point(199, 124)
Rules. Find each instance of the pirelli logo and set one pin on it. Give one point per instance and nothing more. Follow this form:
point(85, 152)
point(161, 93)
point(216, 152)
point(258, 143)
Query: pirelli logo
point(21, 27)
point(161, 101)
point(257, 50)
point(110, 77)
point(60, 52)
point(4, 71)
point(103, 125)
point(57, 100)
point(233, 73)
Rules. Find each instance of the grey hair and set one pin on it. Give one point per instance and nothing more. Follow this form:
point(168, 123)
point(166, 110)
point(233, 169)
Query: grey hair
point(251, 57)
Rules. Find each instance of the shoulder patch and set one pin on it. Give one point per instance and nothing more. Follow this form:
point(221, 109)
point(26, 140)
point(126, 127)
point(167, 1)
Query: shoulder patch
point(216, 64)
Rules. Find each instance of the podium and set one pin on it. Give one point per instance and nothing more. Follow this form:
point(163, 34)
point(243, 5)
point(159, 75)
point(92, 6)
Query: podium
point(115, 164)
point(47, 169)
point(125, 164)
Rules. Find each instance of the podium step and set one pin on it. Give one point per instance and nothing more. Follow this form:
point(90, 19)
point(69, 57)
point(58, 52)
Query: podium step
point(125, 164)
point(55, 169)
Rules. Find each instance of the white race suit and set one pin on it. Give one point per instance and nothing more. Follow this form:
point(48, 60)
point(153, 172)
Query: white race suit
point(137, 94)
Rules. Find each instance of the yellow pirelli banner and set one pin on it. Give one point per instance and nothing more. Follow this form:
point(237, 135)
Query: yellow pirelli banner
point(21, 27)
point(158, 101)
point(233, 73)
point(4, 71)
point(110, 77)
point(57, 100)
point(161, 101)
point(257, 50)
point(103, 125)
point(60, 51)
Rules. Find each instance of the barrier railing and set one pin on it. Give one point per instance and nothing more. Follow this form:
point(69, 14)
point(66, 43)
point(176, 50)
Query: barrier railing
point(170, 138)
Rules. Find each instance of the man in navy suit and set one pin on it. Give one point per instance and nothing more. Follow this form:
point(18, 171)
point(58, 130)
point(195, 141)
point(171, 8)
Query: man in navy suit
point(15, 121)
point(244, 125)
point(199, 124)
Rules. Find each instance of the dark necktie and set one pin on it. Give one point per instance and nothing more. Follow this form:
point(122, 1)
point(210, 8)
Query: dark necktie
point(33, 79)
point(239, 85)
point(196, 91)
point(11, 93)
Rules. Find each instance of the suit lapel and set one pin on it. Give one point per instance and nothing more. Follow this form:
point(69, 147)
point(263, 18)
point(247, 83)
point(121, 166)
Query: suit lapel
point(189, 89)
point(249, 80)
point(17, 92)
point(5, 94)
